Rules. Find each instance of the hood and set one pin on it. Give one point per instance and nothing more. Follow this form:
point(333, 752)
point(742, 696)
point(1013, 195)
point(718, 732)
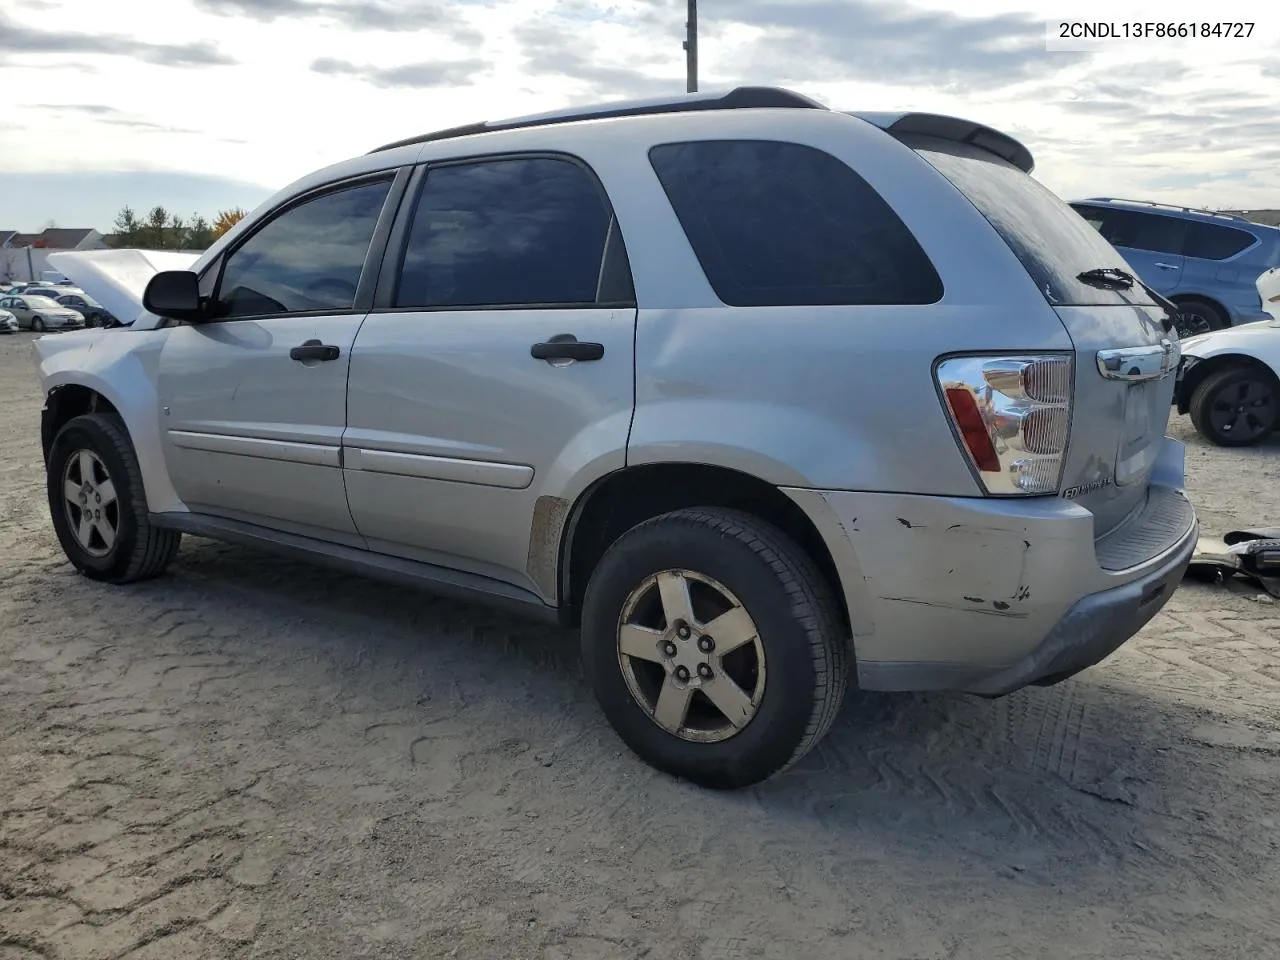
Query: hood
point(117, 278)
point(1260, 339)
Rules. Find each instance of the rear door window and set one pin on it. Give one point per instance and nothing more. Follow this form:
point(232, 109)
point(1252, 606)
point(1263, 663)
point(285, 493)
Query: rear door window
point(1145, 231)
point(776, 223)
point(1209, 241)
point(525, 231)
point(1053, 242)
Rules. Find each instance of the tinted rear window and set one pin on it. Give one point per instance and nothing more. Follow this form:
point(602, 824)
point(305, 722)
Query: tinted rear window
point(1052, 241)
point(1209, 241)
point(776, 224)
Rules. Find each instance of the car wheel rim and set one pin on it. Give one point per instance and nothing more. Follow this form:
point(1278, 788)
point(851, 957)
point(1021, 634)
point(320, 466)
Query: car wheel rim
point(691, 656)
point(1244, 410)
point(89, 499)
point(1193, 322)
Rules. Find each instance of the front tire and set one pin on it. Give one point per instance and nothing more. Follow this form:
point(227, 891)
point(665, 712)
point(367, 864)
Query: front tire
point(714, 646)
point(37, 324)
point(1236, 407)
point(98, 504)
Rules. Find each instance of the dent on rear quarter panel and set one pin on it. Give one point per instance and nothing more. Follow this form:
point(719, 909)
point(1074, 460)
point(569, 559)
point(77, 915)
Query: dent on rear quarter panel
point(121, 365)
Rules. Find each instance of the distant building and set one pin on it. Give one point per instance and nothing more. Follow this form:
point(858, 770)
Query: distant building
point(23, 256)
point(1270, 217)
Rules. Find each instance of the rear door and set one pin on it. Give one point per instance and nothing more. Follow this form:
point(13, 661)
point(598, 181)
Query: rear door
point(1125, 359)
point(1221, 262)
point(1151, 243)
point(496, 367)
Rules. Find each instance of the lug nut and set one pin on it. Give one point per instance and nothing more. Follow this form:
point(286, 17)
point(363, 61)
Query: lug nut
point(669, 649)
point(704, 671)
point(682, 631)
point(706, 644)
point(682, 673)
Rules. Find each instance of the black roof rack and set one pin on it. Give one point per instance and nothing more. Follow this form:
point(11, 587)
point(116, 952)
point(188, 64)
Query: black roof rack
point(1167, 206)
point(740, 98)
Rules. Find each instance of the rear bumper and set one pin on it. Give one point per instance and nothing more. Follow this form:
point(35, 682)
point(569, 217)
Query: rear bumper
point(987, 595)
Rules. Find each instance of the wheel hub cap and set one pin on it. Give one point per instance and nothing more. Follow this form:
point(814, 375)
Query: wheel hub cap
point(89, 501)
point(691, 656)
point(1245, 409)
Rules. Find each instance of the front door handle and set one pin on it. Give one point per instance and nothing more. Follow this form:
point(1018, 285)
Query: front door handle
point(566, 347)
point(314, 350)
point(1167, 266)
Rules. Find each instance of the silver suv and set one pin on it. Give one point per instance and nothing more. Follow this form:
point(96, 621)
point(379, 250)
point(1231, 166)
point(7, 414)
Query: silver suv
point(764, 397)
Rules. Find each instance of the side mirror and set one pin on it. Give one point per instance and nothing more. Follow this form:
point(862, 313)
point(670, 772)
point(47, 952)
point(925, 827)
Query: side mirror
point(174, 294)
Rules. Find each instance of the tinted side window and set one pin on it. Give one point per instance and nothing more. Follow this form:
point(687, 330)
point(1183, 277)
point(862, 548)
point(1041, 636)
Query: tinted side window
point(1212, 242)
point(308, 258)
point(1095, 216)
point(523, 231)
point(1144, 231)
point(781, 223)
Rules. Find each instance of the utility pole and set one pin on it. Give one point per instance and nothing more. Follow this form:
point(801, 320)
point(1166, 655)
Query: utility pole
point(691, 48)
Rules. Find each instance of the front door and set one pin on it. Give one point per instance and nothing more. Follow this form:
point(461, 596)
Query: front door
point(253, 402)
point(495, 371)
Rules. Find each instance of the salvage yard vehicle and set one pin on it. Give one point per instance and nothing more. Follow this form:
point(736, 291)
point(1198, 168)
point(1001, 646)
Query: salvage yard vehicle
point(763, 397)
point(1203, 261)
point(41, 313)
point(1229, 382)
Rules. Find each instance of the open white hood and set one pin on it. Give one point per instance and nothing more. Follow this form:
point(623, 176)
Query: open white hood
point(117, 278)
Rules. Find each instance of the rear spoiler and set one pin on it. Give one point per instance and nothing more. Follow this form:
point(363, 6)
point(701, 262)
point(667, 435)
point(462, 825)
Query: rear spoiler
point(956, 130)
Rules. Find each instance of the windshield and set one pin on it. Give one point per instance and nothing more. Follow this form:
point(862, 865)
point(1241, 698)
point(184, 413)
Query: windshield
point(42, 303)
point(1053, 242)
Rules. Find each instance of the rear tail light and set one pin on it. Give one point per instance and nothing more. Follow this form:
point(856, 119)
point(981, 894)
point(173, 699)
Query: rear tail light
point(1012, 416)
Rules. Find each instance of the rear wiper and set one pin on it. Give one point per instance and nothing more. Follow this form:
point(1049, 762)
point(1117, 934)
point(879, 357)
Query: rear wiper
point(1113, 278)
point(1108, 278)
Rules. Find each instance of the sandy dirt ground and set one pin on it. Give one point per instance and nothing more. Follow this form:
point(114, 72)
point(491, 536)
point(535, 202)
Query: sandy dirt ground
point(256, 758)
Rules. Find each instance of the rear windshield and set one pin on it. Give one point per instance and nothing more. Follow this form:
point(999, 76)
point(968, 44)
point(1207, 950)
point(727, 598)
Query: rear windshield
point(1053, 242)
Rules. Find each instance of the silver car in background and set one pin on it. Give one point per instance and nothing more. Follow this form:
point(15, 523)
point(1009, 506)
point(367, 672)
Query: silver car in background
point(41, 314)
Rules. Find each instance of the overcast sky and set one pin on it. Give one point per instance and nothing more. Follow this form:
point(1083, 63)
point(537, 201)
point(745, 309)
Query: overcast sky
point(202, 104)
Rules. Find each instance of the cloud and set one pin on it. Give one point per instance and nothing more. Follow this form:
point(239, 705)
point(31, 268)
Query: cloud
point(17, 39)
point(555, 48)
point(385, 15)
point(818, 40)
point(450, 73)
point(101, 113)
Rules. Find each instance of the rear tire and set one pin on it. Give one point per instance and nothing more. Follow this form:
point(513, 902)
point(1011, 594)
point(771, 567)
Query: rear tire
point(98, 504)
point(1201, 316)
point(37, 324)
point(758, 696)
point(1236, 407)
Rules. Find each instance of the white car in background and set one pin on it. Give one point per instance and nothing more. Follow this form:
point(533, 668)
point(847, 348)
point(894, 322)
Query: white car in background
point(8, 322)
point(1269, 292)
point(1230, 379)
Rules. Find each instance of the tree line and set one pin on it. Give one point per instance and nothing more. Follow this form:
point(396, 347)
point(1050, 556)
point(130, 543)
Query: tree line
point(159, 229)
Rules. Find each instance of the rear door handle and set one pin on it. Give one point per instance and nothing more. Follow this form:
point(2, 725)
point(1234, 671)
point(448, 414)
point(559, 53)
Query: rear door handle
point(1167, 266)
point(566, 347)
point(314, 350)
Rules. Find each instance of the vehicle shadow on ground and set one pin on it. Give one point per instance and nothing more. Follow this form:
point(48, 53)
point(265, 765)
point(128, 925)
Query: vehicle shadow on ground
point(1072, 770)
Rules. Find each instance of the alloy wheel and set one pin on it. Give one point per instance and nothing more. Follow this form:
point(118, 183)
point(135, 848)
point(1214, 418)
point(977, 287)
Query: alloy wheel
point(691, 656)
point(89, 498)
point(1244, 410)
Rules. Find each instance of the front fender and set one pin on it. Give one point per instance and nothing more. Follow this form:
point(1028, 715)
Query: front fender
point(121, 366)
